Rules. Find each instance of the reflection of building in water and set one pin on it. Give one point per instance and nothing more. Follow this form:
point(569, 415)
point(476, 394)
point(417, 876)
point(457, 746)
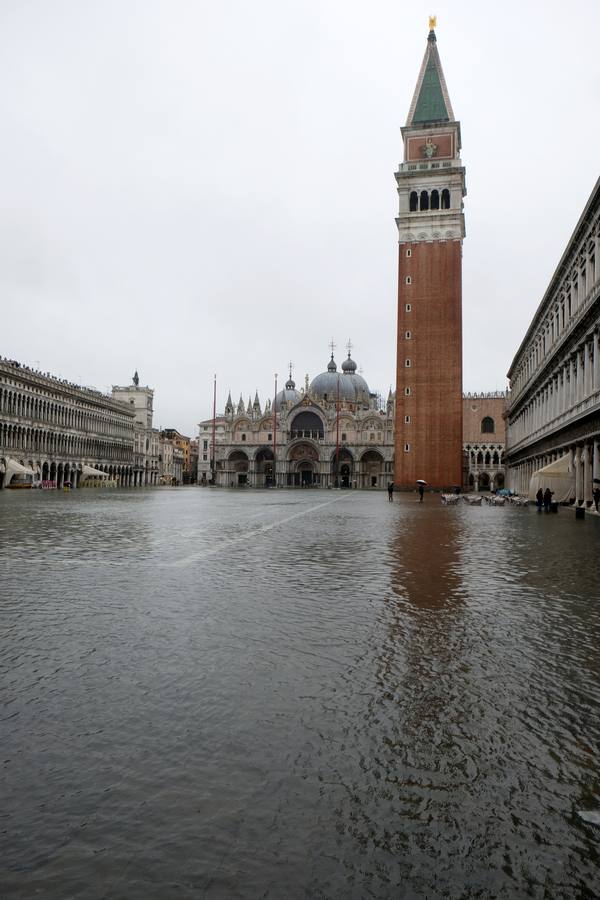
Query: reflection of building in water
point(423, 618)
point(554, 402)
point(333, 431)
point(425, 560)
point(484, 439)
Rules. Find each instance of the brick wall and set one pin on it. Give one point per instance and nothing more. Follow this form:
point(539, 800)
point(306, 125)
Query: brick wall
point(434, 348)
point(477, 408)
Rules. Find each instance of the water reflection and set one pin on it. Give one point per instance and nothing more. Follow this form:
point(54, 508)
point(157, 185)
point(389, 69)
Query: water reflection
point(246, 695)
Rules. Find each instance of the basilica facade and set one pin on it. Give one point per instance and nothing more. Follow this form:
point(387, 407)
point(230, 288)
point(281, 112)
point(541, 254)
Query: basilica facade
point(332, 432)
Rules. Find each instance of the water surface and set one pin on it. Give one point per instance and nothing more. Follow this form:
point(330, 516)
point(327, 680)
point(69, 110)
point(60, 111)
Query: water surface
point(296, 694)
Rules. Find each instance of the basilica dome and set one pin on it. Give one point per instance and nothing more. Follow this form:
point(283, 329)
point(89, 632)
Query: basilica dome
point(289, 395)
point(325, 385)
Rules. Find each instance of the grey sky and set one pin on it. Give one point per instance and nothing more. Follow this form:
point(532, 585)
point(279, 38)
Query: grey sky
point(194, 187)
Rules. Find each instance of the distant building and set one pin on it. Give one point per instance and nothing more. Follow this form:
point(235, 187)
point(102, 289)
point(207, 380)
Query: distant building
point(333, 431)
point(484, 440)
point(554, 402)
point(146, 469)
point(53, 431)
point(184, 444)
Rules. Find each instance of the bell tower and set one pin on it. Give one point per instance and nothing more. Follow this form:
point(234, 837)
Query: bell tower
point(431, 228)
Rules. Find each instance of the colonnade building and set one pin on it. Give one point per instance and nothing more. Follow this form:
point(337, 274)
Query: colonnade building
point(58, 431)
point(553, 415)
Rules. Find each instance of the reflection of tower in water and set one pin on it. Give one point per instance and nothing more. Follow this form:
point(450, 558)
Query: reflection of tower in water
point(425, 641)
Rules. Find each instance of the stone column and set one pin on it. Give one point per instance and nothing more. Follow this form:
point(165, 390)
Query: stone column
point(587, 362)
point(587, 475)
point(578, 477)
point(596, 461)
point(596, 363)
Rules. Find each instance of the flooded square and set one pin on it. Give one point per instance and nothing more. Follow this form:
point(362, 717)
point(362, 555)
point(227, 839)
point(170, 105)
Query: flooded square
point(304, 694)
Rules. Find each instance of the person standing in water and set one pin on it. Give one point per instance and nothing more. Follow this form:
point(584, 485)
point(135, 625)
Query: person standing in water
point(391, 491)
point(421, 492)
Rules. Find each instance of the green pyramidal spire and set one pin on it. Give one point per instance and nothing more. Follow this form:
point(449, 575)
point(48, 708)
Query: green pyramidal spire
point(431, 102)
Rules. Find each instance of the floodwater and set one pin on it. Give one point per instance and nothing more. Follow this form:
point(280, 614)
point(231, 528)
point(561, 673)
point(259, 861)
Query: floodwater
point(309, 694)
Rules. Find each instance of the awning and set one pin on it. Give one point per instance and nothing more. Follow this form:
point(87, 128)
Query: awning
point(559, 477)
point(15, 467)
point(90, 472)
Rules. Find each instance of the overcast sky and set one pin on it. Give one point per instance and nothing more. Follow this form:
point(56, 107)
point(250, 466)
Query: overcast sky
point(190, 188)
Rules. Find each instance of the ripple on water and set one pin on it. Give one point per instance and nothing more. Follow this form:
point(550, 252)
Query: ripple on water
point(304, 694)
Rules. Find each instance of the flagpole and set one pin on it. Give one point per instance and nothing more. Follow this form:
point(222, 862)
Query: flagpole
point(213, 463)
point(275, 434)
point(337, 436)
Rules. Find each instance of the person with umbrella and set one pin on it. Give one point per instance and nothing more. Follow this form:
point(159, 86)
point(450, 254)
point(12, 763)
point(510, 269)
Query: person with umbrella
point(421, 484)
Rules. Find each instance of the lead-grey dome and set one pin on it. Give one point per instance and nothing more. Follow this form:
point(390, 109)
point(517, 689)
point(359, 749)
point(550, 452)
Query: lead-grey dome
point(288, 395)
point(361, 388)
point(325, 385)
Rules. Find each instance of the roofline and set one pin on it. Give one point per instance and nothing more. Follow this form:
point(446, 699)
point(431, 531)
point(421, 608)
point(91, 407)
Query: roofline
point(558, 273)
point(430, 50)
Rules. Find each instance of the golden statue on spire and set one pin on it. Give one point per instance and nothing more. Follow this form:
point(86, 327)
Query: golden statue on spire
point(432, 22)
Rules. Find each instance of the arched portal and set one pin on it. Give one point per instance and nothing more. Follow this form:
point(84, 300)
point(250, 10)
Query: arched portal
point(303, 468)
point(263, 467)
point(342, 468)
point(237, 468)
point(372, 469)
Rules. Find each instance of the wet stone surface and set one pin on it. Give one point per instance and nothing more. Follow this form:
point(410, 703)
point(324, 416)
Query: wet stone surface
point(310, 694)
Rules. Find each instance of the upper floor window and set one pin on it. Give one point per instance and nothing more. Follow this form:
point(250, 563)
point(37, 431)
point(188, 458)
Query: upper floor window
point(409, 252)
point(243, 437)
point(413, 202)
point(487, 425)
point(445, 199)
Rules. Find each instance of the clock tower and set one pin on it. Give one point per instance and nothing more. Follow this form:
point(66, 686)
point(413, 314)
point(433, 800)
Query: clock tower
point(431, 228)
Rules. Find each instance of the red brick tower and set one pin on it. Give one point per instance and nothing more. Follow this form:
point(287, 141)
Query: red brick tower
point(431, 187)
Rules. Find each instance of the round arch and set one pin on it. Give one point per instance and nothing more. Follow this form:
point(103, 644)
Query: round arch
point(264, 467)
point(237, 468)
point(372, 470)
point(307, 424)
point(303, 464)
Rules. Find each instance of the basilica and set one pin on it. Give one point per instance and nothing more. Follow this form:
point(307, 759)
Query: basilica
point(333, 432)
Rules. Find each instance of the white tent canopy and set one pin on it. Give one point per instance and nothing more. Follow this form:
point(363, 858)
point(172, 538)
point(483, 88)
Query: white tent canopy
point(559, 476)
point(90, 472)
point(15, 468)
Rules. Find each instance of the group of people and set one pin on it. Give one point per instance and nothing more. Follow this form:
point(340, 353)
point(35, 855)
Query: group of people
point(544, 498)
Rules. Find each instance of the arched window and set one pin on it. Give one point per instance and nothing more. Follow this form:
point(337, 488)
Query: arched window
point(435, 200)
point(414, 201)
point(487, 425)
point(424, 200)
point(445, 199)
